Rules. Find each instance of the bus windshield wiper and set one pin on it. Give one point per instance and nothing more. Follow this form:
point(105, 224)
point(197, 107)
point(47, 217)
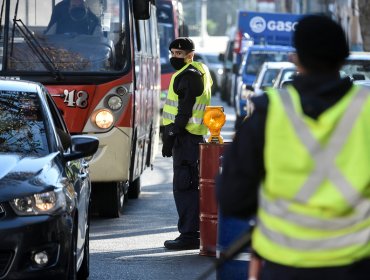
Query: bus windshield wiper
point(34, 45)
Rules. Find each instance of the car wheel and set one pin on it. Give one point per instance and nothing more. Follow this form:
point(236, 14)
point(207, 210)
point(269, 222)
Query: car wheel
point(84, 271)
point(134, 189)
point(112, 200)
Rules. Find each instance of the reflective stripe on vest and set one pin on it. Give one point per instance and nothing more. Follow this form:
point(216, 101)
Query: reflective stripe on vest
point(195, 124)
point(339, 232)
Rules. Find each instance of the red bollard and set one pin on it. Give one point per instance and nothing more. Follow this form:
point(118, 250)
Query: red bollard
point(210, 154)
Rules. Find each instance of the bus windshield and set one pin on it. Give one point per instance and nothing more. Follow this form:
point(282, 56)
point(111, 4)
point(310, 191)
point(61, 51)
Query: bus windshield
point(64, 36)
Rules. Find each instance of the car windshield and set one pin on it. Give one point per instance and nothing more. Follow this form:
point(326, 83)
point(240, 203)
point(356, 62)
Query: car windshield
point(49, 35)
point(358, 69)
point(22, 129)
point(269, 77)
point(256, 58)
point(288, 74)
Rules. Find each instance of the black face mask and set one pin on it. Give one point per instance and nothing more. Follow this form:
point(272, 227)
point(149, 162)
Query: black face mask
point(177, 62)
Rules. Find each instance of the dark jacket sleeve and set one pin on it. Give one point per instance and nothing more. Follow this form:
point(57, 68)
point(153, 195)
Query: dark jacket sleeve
point(243, 168)
point(188, 86)
point(58, 10)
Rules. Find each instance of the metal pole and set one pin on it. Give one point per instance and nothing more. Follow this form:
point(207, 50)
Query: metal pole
point(203, 23)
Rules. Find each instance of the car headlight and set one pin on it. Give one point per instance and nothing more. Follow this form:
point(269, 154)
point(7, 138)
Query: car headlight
point(103, 118)
point(45, 203)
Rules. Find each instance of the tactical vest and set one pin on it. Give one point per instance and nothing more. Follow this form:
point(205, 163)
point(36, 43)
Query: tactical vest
point(170, 109)
point(314, 205)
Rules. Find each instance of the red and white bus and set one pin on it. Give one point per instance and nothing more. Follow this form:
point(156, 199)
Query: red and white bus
point(106, 83)
point(170, 26)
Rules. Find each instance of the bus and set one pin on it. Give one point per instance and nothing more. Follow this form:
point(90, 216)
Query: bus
point(106, 83)
point(170, 26)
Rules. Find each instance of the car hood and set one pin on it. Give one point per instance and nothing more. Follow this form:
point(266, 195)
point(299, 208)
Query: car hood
point(22, 176)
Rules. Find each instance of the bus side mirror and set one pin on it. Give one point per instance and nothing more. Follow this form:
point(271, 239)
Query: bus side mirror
point(141, 9)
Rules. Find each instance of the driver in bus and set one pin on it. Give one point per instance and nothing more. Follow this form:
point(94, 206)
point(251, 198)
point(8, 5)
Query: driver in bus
point(73, 17)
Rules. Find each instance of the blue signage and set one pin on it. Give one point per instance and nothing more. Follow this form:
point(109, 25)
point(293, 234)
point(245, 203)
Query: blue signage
point(268, 28)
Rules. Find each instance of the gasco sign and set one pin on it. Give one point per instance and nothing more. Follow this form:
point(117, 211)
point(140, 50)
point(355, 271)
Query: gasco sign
point(258, 24)
point(272, 28)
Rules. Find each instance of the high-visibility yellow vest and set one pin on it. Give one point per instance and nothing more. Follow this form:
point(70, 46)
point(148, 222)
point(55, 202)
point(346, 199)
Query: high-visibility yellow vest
point(170, 109)
point(315, 200)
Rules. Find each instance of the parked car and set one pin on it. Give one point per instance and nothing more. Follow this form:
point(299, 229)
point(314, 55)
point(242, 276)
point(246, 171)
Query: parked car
point(252, 61)
point(357, 66)
point(214, 65)
point(269, 73)
point(285, 76)
point(44, 188)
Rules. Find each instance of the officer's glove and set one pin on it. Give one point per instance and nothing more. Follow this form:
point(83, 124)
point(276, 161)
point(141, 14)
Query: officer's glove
point(168, 140)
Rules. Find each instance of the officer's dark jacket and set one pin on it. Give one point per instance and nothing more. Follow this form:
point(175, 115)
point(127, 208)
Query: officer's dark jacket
point(243, 166)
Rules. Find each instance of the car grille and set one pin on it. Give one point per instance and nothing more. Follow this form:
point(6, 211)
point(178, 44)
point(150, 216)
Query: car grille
point(5, 260)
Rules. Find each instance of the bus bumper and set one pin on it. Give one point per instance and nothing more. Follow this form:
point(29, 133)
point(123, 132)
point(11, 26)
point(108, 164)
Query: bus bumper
point(111, 163)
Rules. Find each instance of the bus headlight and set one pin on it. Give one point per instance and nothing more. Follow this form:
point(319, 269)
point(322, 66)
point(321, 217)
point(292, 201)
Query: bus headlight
point(103, 118)
point(114, 102)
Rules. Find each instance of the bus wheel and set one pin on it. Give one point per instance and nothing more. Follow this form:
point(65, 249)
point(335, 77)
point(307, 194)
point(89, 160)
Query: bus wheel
point(112, 200)
point(134, 189)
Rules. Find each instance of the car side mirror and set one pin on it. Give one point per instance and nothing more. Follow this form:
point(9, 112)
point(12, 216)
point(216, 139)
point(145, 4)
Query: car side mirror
point(82, 146)
point(235, 69)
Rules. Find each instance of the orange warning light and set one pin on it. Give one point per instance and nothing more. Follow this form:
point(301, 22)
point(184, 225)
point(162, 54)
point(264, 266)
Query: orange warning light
point(214, 118)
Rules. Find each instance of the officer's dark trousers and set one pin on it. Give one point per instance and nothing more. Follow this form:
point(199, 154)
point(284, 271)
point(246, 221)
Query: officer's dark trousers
point(356, 271)
point(186, 183)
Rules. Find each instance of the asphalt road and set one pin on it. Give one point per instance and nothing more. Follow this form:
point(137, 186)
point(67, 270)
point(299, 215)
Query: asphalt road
point(131, 247)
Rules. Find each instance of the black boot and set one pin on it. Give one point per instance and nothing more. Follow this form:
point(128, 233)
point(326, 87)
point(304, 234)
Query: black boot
point(182, 243)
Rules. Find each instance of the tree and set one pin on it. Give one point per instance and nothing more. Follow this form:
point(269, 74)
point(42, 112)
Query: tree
point(364, 15)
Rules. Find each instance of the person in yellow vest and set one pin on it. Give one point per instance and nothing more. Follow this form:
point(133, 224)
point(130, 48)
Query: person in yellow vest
point(188, 94)
point(301, 162)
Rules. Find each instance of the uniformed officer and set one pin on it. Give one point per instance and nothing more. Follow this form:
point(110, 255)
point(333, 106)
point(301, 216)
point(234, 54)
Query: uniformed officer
point(188, 95)
point(308, 147)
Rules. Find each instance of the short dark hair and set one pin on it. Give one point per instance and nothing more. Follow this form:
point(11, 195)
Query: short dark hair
point(320, 43)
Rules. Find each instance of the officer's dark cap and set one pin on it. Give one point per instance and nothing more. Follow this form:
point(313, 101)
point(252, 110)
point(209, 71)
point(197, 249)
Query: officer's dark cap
point(182, 43)
point(320, 41)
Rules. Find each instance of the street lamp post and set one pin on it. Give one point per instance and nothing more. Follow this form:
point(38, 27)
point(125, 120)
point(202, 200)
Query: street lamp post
point(203, 23)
